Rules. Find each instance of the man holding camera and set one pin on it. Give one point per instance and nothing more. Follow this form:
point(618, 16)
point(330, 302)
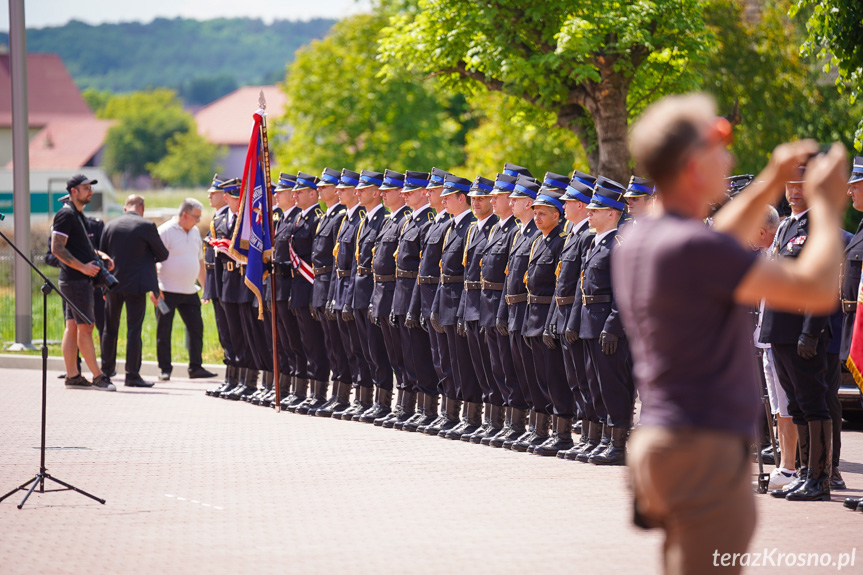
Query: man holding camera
point(135, 246)
point(79, 263)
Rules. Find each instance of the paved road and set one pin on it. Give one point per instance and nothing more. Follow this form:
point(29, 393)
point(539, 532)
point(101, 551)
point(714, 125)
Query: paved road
point(199, 485)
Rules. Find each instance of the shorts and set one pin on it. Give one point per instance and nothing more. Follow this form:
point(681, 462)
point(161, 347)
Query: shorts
point(80, 293)
point(778, 398)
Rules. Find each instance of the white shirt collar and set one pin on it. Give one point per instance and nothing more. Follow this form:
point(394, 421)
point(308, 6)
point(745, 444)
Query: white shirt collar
point(310, 208)
point(501, 223)
point(457, 219)
point(582, 225)
point(220, 210)
point(440, 215)
point(352, 211)
point(601, 236)
point(419, 210)
point(372, 211)
point(798, 216)
point(333, 207)
point(482, 222)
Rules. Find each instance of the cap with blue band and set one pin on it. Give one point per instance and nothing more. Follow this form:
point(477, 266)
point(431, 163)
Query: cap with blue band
point(306, 181)
point(286, 182)
point(349, 179)
point(607, 194)
point(639, 187)
point(553, 181)
point(214, 187)
point(455, 185)
point(329, 177)
point(504, 184)
point(437, 177)
point(856, 171)
point(525, 187)
point(232, 187)
point(415, 181)
point(550, 198)
point(393, 180)
point(481, 187)
point(370, 178)
point(516, 171)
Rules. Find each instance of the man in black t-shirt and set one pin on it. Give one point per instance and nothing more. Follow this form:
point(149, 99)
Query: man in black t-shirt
point(70, 243)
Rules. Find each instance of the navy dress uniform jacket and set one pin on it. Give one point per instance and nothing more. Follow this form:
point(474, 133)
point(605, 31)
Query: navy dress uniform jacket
point(411, 241)
point(234, 288)
point(302, 238)
point(542, 279)
point(596, 282)
point(342, 288)
point(384, 262)
point(493, 264)
point(367, 235)
point(322, 253)
point(424, 293)
point(851, 273)
point(213, 280)
point(449, 293)
point(568, 277)
point(283, 224)
point(519, 255)
point(477, 239)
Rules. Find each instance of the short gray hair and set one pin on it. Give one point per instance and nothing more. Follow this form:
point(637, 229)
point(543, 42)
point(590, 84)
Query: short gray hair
point(772, 221)
point(189, 205)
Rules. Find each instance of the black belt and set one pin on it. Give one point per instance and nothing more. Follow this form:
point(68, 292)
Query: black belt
point(234, 266)
point(589, 299)
point(517, 298)
point(283, 269)
point(400, 273)
point(364, 271)
point(472, 285)
point(210, 266)
point(427, 279)
point(323, 270)
point(445, 279)
point(384, 279)
point(569, 300)
point(492, 285)
point(539, 299)
point(343, 273)
point(849, 306)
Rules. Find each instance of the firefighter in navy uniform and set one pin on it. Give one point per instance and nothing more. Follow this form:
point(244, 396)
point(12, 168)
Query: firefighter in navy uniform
point(444, 316)
point(469, 311)
point(316, 370)
point(427, 420)
point(554, 395)
point(371, 337)
point(602, 330)
point(213, 284)
point(578, 195)
point(419, 375)
point(510, 316)
point(493, 261)
point(323, 263)
point(640, 198)
point(342, 290)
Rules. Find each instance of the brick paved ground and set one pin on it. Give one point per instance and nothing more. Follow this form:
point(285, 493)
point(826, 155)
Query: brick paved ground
point(199, 485)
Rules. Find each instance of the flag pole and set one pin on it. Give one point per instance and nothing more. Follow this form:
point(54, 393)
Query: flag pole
point(262, 102)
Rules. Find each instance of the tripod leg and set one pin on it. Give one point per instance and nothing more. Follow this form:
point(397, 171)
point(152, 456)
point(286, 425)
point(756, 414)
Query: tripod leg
point(30, 492)
point(17, 489)
point(73, 488)
point(766, 401)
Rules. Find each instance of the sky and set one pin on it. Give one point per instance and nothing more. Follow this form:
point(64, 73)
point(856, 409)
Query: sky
point(42, 13)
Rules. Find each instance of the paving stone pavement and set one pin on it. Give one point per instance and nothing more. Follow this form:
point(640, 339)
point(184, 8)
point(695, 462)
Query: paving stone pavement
point(201, 485)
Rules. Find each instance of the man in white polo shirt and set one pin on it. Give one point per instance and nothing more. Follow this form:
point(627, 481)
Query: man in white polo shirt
point(177, 277)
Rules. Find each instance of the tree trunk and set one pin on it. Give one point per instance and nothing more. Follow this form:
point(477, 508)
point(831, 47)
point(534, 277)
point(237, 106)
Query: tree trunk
point(607, 106)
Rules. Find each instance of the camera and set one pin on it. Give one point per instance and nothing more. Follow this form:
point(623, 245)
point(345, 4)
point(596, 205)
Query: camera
point(104, 279)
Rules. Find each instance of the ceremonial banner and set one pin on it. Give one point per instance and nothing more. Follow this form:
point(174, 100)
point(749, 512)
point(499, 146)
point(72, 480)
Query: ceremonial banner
point(252, 243)
point(855, 357)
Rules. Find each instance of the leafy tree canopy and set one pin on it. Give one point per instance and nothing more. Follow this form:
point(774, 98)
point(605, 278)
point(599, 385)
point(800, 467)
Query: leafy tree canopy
point(190, 160)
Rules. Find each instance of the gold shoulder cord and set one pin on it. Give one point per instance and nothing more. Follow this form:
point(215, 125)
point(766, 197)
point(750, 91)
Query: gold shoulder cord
point(532, 246)
point(467, 243)
point(445, 238)
point(338, 243)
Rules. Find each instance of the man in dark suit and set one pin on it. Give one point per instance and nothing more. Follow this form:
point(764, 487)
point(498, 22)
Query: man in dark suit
point(135, 246)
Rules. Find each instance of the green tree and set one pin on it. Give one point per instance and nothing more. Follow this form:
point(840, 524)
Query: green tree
point(340, 113)
point(190, 161)
point(97, 99)
point(593, 64)
point(146, 121)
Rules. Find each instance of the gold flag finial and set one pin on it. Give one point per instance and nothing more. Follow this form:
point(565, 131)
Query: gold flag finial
point(262, 102)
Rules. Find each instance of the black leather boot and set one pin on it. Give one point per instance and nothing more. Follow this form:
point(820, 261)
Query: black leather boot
point(525, 431)
point(532, 447)
point(329, 401)
point(572, 452)
point(434, 427)
point(426, 414)
point(512, 429)
point(616, 452)
point(365, 400)
point(352, 405)
point(436, 416)
point(602, 445)
point(852, 502)
point(316, 399)
point(561, 441)
point(451, 416)
point(803, 472)
point(817, 485)
point(246, 387)
point(396, 411)
point(302, 394)
point(539, 435)
point(503, 418)
point(266, 387)
point(229, 385)
point(381, 407)
point(494, 415)
point(339, 402)
point(482, 429)
point(230, 381)
point(471, 424)
point(406, 410)
point(836, 481)
point(285, 390)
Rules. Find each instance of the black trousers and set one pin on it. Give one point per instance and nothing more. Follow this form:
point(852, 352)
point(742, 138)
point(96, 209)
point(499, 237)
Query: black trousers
point(224, 332)
point(335, 348)
point(136, 308)
point(360, 374)
point(448, 363)
point(573, 363)
point(804, 381)
point(420, 373)
point(551, 379)
point(519, 394)
point(292, 358)
point(393, 345)
point(443, 364)
point(189, 308)
point(374, 350)
point(240, 345)
point(502, 371)
point(464, 377)
point(616, 388)
point(259, 346)
point(592, 383)
point(834, 378)
point(317, 364)
point(481, 362)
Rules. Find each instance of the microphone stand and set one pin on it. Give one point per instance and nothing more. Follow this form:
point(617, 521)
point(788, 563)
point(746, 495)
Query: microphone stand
point(43, 474)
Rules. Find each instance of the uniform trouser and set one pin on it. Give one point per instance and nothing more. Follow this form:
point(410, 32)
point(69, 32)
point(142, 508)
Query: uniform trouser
point(317, 365)
point(551, 379)
point(834, 378)
point(696, 486)
point(466, 383)
point(502, 371)
point(282, 347)
point(136, 308)
point(189, 308)
point(335, 348)
point(443, 363)
point(292, 357)
point(242, 357)
point(374, 350)
point(519, 394)
point(481, 359)
point(224, 332)
point(804, 381)
point(393, 345)
point(360, 374)
point(574, 364)
point(420, 373)
point(592, 383)
point(255, 332)
point(616, 387)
